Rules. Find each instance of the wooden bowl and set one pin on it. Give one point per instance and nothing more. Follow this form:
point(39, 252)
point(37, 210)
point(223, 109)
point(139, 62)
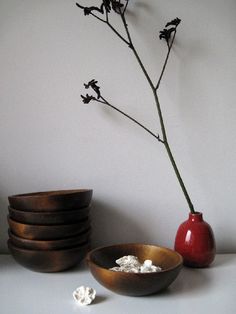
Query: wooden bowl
point(52, 232)
point(134, 284)
point(45, 245)
point(48, 261)
point(48, 218)
point(52, 200)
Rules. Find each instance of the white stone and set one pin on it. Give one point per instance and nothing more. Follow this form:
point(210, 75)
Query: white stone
point(116, 268)
point(128, 260)
point(129, 269)
point(131, 264)
point(150, 269)
point(84, 295)
point(147, 263)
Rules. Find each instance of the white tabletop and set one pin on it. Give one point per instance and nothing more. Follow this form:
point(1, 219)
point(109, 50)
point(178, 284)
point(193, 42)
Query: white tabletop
point(211, 290)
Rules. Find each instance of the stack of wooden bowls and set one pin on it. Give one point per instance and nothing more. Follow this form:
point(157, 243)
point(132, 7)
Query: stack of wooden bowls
point(49, 231)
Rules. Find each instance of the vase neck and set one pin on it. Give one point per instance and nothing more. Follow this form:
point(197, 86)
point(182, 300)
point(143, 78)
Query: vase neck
point(196, 217)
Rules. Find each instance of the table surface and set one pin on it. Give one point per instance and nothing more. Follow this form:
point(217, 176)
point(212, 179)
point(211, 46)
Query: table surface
point(209, 290)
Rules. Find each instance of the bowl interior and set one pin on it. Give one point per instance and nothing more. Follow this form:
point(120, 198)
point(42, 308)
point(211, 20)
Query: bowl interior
point(165, 258)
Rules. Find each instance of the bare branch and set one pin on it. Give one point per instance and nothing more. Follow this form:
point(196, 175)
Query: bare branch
point(125, 7)
point(97, 17)
point(118, 34)
point(166, 60)
point(105, 102)
point(89, 11)
point(131, 45)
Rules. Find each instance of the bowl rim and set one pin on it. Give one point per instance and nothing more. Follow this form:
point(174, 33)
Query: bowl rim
point(80, 247)
point(81, 222)
point(179, 264)
point(48, 213)
point(49, 194)
point(86, 232)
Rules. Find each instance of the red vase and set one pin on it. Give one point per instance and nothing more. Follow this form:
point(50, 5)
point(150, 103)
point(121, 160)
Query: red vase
point(195, 241)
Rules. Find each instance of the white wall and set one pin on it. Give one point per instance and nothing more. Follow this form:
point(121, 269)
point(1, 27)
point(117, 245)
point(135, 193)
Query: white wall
point(50, 140)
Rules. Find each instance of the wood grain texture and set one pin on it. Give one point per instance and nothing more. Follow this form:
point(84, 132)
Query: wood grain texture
point(52, 200)
point(77, 240)
point(48, 261)
point(134, 284)
point(43, 232)
point(49, 218)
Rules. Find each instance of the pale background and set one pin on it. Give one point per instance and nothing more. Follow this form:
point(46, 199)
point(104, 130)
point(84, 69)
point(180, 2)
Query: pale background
point(50, 140)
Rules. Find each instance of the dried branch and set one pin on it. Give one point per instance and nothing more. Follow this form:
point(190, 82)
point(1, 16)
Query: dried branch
point(104, 8)
point(104, 101)
point(168, 34)
point(88, 98)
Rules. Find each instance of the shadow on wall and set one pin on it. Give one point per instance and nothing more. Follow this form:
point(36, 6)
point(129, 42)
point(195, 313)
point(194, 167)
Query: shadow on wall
point(111, 224)
point(137, 6)
point(3, 225)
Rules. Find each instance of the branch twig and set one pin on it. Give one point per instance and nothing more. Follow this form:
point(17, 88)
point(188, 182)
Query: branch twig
point(131, 45)
point(166, 60)
point(105, 102)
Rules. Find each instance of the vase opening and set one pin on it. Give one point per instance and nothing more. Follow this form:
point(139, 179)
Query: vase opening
point(197, 216)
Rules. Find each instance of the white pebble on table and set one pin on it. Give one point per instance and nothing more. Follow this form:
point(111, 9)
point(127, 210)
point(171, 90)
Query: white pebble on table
point(84, 295)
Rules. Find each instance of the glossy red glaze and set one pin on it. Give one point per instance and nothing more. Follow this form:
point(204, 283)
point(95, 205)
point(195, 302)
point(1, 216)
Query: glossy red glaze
point(195, 241)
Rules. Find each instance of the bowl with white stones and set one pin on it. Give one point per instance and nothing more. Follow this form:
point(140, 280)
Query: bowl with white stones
point(134, 269)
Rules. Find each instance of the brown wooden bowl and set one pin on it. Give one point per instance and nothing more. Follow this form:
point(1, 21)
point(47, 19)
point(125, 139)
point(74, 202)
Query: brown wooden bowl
point(52, 200)
point(49, 218)
point(52, 232)
point(48, 261)
point(45, 245)
point(134, 284)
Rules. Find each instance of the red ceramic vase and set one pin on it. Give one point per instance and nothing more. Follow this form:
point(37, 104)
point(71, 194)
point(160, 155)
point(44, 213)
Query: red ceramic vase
point(195, 241)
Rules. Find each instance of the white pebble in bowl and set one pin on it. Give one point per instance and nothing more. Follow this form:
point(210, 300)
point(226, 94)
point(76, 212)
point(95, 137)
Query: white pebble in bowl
point(131, 264)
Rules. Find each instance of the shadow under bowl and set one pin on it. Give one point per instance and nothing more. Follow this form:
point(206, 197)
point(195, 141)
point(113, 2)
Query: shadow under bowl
point(52, 200)
point(48, 218)
point(134, 284)
point(46, 245)
point(48, 261)
point(45, 232)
